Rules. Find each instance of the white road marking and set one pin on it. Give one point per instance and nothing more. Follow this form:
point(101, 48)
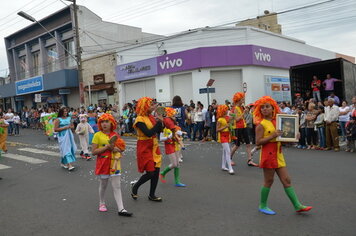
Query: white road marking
point(27, 159)
point(3, 167)
point(39, 151)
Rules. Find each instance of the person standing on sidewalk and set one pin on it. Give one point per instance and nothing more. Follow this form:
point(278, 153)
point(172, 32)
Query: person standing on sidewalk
point(331, 117)
point(17, 123)
point(271, 157)
point(344, 117)
point(9, 117)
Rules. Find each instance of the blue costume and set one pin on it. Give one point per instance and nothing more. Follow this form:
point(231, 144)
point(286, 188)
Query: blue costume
point(66, 142)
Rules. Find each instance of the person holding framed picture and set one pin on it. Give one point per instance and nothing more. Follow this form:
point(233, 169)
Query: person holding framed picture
point(271, 156)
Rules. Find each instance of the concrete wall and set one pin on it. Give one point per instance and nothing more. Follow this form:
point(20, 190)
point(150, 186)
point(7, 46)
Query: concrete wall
point(222, 37)
point(98, 36)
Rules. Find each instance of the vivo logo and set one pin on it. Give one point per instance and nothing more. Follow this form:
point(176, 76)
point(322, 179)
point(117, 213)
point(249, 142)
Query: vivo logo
point(260, 56)
point(168, 64)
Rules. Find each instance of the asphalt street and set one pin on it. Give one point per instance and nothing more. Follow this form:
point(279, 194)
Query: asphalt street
point(37, 197)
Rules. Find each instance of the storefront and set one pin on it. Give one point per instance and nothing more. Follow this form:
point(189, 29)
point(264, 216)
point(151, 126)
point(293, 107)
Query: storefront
point(233, 68)
point(55, 89)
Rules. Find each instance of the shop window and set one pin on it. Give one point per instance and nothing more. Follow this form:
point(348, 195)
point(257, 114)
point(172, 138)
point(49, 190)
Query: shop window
point(23, 67)
point(69, 53)
point(52, 57)
point(36, 63)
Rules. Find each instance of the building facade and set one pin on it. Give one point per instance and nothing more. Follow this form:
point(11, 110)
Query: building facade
point(43, 69)
point(237, 59)
point(99, 79)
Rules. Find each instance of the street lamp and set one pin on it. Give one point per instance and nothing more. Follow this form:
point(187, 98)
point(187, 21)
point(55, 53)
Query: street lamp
point(78, 56)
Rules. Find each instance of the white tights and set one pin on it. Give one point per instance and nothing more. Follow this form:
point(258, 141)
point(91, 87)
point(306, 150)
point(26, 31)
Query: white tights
point(116, 186)
point(226, 159)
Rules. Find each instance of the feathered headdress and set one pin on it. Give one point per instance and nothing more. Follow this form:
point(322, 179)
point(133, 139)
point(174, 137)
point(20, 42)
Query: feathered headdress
point(238, 96)
point(170, 112)
point(258, 117)
point(221, 111)
point(143, 105)
point(110, 118)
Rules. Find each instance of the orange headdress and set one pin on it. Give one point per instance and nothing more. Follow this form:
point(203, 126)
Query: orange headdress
point(110, 118)
point(170, 112)
point(238, 96)
point(258, 117)
point(143, 105)
point(221, 111)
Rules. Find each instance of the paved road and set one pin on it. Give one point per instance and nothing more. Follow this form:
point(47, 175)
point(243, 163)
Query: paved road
point(37, 197)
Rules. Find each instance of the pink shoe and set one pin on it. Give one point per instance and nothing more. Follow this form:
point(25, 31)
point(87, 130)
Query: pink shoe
point(102, 208)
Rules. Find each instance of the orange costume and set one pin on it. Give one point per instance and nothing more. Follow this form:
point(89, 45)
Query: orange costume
point(149, 156)
point(148, 153)
point(271, 157)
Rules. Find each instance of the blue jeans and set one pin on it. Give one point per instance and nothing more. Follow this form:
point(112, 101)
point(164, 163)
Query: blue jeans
point(10, 128)
point(17, 128)
point(322, 141)
point(316, 96)
point(343, 129)
point(189, 129)
point(198, 127)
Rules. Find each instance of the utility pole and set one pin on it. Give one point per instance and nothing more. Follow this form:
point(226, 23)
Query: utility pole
point(78, 53)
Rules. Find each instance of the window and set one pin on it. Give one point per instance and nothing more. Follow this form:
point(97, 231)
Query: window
point(52, 57)
point(69, 60)
point(23, 67)
point(36, 63)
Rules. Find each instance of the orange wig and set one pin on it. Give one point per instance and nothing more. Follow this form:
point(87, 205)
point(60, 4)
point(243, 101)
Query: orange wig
point(120, 143)
point(108, 117)
point(221, 111)
point(238, 96)
point(143, 105)
point(258, 117)
point(170, 112)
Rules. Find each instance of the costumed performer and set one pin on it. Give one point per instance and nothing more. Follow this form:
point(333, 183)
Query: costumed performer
point(149, 156)
point(271, 156)
point(66, 142)
point(83, 130)
point(108, 146)
point(171, 139)
point(224, 137)
point(92, 118)
point(3, 134)
point(240, 127)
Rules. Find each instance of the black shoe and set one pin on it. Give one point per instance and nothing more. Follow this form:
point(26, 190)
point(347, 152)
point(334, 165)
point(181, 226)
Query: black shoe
point(134, 196)
point(123, 212)
point(155, 199)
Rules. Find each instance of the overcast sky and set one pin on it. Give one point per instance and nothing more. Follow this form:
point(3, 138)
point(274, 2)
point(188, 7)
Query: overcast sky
point(329, 26)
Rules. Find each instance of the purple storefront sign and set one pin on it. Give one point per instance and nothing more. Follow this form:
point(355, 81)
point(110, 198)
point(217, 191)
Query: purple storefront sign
point(137, 69)
point(239, 55)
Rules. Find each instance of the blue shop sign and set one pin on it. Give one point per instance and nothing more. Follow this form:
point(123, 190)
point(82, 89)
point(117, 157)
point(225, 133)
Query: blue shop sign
point(31, 85)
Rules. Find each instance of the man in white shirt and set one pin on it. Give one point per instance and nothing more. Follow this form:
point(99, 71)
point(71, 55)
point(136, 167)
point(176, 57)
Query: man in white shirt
point(331, 117)
point(284, 108)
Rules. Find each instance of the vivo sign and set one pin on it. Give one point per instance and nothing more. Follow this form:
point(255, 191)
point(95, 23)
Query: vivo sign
point(205, 57)
point(168, 64)
point(261, 56)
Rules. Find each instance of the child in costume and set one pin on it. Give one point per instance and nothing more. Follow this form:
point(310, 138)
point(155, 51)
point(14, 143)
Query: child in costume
point(83, 129)
point(108, 146)
point(149, 156)
point(171, 137)
point(240, 127)
point(224, 137)
point(271, 156)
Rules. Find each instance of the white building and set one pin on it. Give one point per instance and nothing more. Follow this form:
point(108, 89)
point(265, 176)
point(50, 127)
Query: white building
point(236, 58)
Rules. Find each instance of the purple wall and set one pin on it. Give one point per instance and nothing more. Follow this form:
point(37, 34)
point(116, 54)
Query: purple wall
point(211, 57)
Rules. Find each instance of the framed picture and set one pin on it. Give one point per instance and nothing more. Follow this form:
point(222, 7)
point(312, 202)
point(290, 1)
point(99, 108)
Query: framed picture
point(289, 124)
